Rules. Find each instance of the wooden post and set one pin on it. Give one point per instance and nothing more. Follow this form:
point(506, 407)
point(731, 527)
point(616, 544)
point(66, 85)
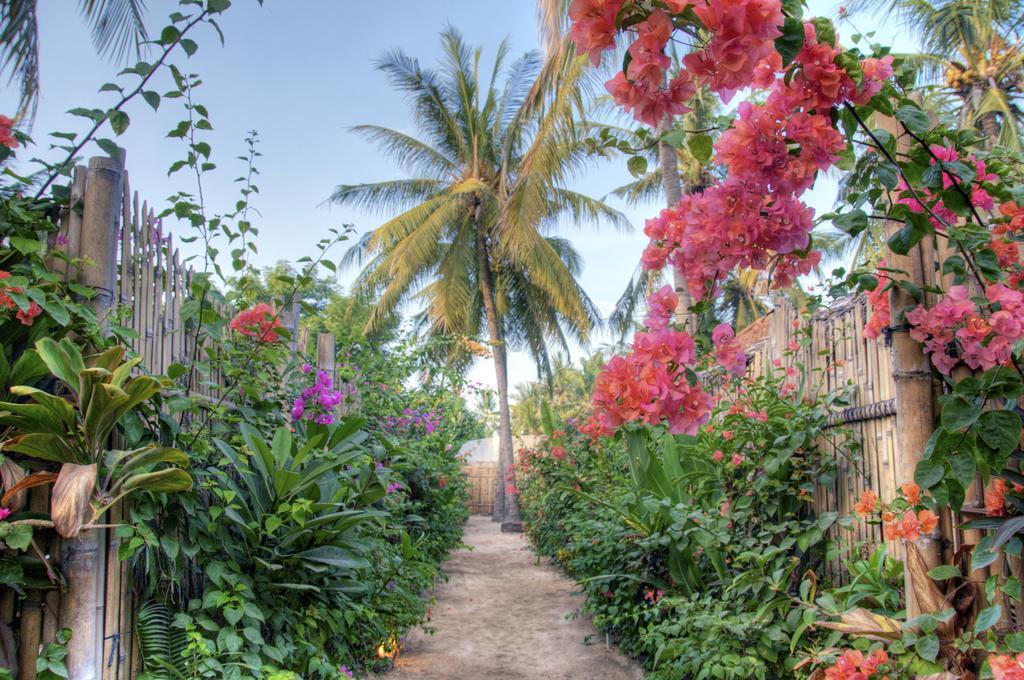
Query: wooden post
point(325, 360)
point(912, 379)
point(84, 557)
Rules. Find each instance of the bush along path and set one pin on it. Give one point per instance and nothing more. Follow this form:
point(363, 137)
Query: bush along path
point(502, 614)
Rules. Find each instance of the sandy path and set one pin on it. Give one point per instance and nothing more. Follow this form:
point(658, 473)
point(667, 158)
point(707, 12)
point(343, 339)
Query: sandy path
point(501, 616)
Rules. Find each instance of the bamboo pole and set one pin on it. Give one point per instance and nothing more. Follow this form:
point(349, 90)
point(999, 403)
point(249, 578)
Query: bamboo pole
point(84, 556)
point(325, 354)
point(912, 379)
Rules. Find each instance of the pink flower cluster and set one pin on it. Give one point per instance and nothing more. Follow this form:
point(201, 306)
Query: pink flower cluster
point(730, 225)
point(649, 384)
point(778, 150)
point(743, 34)
point(729, 353)
point(878, 300)
point(593, 26)
point(1007, 666)
point(640, 88)
point(854, 665)
point(773, 152)
point(981, 340)
point(980, 198)
point(661, 307)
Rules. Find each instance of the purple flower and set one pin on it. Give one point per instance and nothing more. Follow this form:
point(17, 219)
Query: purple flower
point(298, 408)
point(346, 672)
point(306, 367)
point(394, 486)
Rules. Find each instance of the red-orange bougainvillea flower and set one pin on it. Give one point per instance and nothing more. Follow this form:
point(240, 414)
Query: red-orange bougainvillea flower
point(259, 322)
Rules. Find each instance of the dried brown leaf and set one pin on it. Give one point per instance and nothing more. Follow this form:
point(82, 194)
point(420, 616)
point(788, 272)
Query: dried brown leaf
point(14, 496)
point(70, 499)
point(929, 596)
point(861, 622)
point(12, 474)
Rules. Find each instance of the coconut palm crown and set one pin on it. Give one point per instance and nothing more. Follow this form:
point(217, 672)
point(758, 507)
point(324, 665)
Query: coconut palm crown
point(469, 234)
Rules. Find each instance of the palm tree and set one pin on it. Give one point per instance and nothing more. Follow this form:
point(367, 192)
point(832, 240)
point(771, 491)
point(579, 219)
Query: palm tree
point(469, 237)
point(971, 48)
point(118, 29)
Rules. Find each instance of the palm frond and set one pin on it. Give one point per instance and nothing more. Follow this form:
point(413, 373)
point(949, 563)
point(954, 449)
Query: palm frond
point(118, 27)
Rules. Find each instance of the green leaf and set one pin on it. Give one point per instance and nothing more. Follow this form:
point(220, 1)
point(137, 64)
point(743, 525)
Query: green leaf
point(700, 147)
point(169, 35)
point(170, 480)
point(109, 147)
point(987, 617)
point(637, 166)
point(928, 647)
point(19, 537)
point(916, 120)
point(852, 222)
point(928, 473)
point(944, 572)
point(958, 413)
point(999, 429)
point(791, 41)
point(152, 98)
point(119, 122)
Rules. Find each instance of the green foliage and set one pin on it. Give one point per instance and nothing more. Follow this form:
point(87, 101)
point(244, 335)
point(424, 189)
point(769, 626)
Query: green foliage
point(50, 664)
point(690, 558)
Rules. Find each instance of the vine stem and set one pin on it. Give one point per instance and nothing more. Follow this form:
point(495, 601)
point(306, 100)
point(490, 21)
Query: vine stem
point(277, 314)
point(124, 100)
point(963, 193)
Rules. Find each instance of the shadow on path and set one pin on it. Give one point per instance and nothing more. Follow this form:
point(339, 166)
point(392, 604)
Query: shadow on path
point(503, 616)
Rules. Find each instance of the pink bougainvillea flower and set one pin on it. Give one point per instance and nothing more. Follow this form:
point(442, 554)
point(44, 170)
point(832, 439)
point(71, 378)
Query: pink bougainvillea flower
point(593, 26)
point(1007, 666)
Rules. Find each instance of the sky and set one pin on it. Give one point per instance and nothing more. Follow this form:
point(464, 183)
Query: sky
point(302, 73)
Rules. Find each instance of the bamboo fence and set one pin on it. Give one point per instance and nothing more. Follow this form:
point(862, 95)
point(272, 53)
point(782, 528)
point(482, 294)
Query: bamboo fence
point(142, 283)
point(838, 354)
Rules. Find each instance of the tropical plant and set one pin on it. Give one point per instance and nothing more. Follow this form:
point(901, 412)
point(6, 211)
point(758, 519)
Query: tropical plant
point(470, 241)
point(74, 431)
point(971, 49)
point(118, 30)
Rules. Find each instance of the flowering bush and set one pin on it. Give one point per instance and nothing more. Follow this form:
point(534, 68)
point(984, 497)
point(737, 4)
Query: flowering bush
point(261, 323)
point(691, 548)
point(945, 187)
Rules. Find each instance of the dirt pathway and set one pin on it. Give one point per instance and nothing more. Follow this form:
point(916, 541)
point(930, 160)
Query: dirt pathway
point(501, 616)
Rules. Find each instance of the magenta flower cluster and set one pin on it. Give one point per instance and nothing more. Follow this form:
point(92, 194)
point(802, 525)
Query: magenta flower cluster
point(318, 401)
point(413, 419)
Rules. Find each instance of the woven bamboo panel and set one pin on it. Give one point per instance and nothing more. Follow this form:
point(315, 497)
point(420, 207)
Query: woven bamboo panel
point(838, 354)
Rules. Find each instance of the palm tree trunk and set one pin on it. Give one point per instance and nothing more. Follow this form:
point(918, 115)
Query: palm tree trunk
point(506, 508)
point(988, 122)
point(670, 181)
